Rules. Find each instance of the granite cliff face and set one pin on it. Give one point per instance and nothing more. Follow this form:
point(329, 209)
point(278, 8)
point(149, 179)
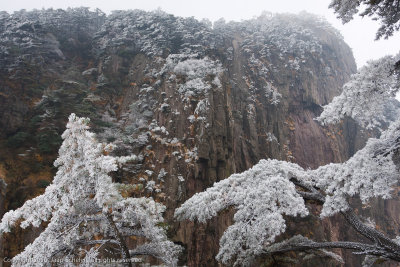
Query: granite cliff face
point(196, 103)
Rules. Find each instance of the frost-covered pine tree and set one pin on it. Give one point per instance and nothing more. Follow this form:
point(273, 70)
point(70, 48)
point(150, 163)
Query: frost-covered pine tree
point(263, 195)
point(386, 11)
point(86, 214)
point(368, 96)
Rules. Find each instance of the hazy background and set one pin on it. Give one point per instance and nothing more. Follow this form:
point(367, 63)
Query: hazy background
point(359, 33)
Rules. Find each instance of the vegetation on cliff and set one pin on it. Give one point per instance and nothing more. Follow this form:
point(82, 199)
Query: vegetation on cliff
point(194, 103)
point(271, 189)
point(87, 215)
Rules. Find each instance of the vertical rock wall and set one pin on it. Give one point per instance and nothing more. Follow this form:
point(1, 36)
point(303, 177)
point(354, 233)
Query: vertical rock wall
point(195, 103)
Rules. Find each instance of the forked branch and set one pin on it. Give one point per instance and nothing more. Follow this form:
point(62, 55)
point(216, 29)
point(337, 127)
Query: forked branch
point(382, 246)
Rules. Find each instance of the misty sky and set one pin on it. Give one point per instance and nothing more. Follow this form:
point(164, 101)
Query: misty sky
point(359, 34)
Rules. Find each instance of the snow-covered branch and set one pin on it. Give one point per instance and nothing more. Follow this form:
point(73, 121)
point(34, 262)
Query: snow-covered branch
point(83, 203)
point(261, 195)
point(271, 189)
point(386, 11)
point(366, 97)
point(300, 243)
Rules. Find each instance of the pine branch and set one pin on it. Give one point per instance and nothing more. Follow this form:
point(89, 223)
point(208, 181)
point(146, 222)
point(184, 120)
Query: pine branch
point(125, 251)
point(300, 243)
point(383, 246)
point(371, 233)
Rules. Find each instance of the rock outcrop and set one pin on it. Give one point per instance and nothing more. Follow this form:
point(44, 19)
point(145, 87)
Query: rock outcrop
point(196, 103)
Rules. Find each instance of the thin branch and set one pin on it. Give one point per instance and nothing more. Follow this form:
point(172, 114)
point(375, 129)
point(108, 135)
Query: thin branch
point(95, 242)
point(146, 249)
point(335, 244)
point(125, 251)
point(83, 242)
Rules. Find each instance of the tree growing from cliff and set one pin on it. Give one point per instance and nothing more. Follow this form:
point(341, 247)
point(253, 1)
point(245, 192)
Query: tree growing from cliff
point(263, 195)
point(85, 211)
point(367, 96)
point(386, 11)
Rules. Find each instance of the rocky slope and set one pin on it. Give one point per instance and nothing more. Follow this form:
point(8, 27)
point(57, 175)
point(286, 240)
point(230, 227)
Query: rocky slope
point(196, 103)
